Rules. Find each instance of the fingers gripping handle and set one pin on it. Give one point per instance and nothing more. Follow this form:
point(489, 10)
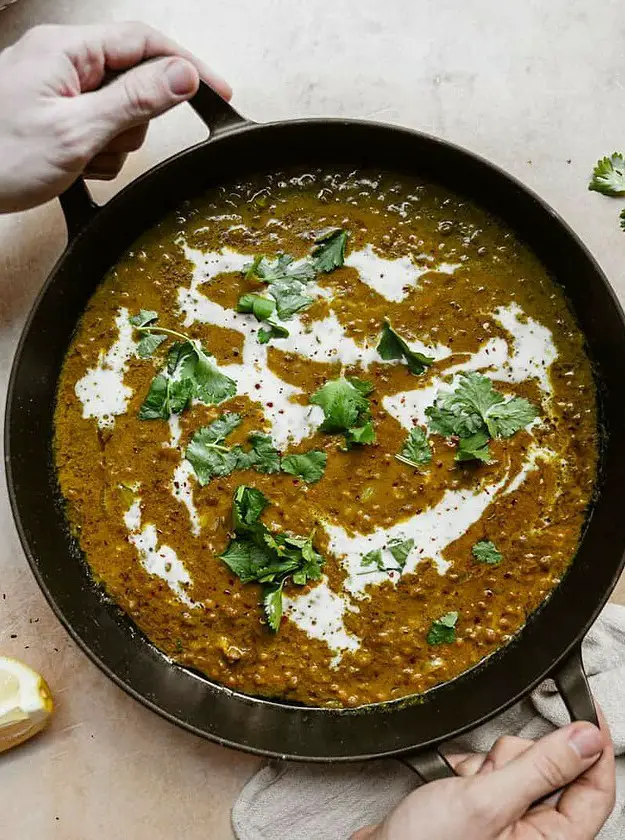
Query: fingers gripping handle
point(218, 115)
point(572, 684)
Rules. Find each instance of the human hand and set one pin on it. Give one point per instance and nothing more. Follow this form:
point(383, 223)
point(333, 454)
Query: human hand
point(58, 122)
point(491, 799)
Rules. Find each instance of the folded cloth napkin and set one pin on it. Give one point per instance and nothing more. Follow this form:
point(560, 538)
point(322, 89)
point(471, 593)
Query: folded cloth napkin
point(304, 801)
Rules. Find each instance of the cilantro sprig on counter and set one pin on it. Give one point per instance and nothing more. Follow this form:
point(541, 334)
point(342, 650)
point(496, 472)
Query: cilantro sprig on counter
point(210, 457)
point(393, 346)
point(475, 413)
point(608, 176)
point(346, 409)
point(190, 372)
point(255, 554)
point(443, 630)
point(416, 451)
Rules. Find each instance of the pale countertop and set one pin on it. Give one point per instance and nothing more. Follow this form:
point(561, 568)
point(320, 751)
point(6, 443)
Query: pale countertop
point(537, 87)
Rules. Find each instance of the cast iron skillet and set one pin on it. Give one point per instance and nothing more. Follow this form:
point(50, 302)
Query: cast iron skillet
point(548, 645)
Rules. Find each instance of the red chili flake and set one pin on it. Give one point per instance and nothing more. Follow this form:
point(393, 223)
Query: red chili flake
point(269, 405)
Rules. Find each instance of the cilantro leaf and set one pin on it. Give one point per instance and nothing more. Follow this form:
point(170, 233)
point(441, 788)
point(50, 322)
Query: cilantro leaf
point(608, 176)
point(374, 558)
point(506, 418)
point(363, 385)
point(156, 404)
point(486, 552)
point(474, 448)
point(345, 410)
point(443, 630)
point(266, 458)
point(475, 408)
point(273, 330)
point(329, 252)
point(144, 317)
point(309, 466)
point(247, 506)
point(290, 298)
point(400, 549)
point(210, 384)
point(416, 450)
point(360, 435)
point(256, 554)
point(205, 454)
point(148, 344)
point(272, 604)
point(261, 307)
point(393, 346)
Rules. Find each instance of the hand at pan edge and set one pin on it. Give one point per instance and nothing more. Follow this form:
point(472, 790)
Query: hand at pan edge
point(492, 798)
point(59, 122)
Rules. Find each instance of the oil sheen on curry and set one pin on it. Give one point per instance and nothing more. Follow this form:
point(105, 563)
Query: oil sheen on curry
point(329, 436)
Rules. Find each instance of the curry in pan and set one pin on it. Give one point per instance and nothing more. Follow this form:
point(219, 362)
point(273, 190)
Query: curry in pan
point(328, 436)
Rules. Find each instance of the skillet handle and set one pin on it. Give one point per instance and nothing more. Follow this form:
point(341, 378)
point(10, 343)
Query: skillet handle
point(217, 115)
point(572, 683)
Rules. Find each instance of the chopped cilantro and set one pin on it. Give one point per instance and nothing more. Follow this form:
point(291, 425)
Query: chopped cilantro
point(443, 630)
point(374, 558)
point(261, 307)
point(190, 372)
point(310, 466)
point(209, 457)
point(400, 549)
point(255, 554)
point(486, 552)
point(393, 346)
point(475, 412)
point(272, 330)
point(346, 410)
point(329, 252)
point(143, 318)
point(416, 450)
point(148, 344)
point(287, 281)
point(474, 448)
point(608, 176)
point(272, 604)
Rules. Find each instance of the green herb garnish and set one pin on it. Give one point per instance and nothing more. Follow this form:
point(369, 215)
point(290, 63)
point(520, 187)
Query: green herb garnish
point(486, 552)
point(272, 330)
point(210, 457)
point(393, 346)
point(255, 554)
point(310, 466)
point(329, 252)
point(346, 409)
point(475, 412)
point(287, 281)
point(261, 307)
point(190, 372)
point(443, 630)
point(608, 176)
point(416, 450)
point(399, 550)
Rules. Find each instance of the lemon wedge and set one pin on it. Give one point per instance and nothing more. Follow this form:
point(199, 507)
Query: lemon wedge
point(25, 703)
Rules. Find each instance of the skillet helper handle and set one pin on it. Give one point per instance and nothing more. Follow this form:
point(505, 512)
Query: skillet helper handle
point(217, 115)
point(572, 684)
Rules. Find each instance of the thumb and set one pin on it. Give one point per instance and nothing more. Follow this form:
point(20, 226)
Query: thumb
point(135, 97)
point(549, 765)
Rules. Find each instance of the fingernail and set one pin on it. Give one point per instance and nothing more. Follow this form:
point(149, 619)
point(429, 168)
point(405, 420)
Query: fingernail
point(181, 77)
point(587, 741)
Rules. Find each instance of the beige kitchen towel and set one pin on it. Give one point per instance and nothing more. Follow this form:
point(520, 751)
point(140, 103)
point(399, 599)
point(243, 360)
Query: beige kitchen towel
point(321, 802)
